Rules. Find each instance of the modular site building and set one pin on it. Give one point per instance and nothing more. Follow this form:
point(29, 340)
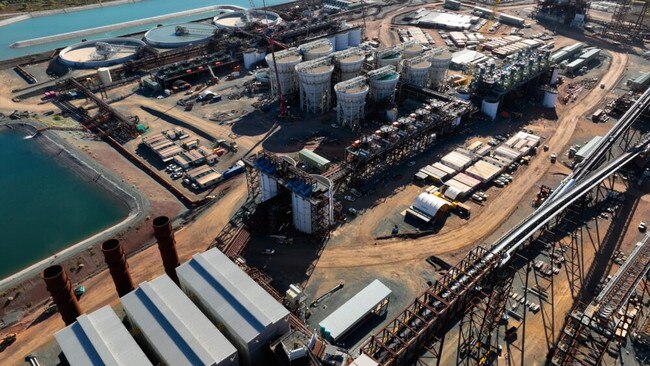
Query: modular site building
point(484, 171)
point(100, 338)
point(373, 299)
point(456, 160)
point(587, 149)
point(173, 328)
point(249, 316)
point(314, 160)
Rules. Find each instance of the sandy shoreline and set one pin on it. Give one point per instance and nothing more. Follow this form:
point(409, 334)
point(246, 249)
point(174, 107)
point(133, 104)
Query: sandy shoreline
point(87, 169)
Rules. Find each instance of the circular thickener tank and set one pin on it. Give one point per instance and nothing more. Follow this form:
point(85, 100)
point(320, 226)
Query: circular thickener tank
point(392, 58)
point(383, 87)
point(350, 66)
point(413, 50)
point(241, 18)
point(354, 37)
point(100, 52)
point(179, 35)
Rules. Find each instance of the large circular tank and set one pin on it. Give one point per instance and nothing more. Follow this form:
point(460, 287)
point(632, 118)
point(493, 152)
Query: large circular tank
point(315, 81)
point(100, 52)
point(439, 66)
point(250, 58)
point(417, 73)
point(241, 18)
point(350, 65)
point(550, 98)
point(354, 37)
point(392, 58)
point(286, 73)
point(179, 35)
point(490, 107)
point(413, 50)
point(350, 103)
point(383, 88)
point(317, 49)
point(341, 41)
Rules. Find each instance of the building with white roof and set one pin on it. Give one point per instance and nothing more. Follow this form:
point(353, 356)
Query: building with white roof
point(175, 330)
point(100, 338)
point(250, 316)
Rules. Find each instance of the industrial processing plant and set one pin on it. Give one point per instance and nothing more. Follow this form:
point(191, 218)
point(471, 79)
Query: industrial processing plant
point(326, 183)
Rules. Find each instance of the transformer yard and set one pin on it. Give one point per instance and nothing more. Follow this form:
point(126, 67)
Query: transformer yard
point(350, 183)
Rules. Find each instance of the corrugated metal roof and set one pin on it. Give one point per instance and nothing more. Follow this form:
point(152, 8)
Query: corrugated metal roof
point(247, 309)
point(100, 338)
point(178, 331)
point(313, 157)
point(350, 313)
point(364, 360)
point(429, 203)
point(589, 146)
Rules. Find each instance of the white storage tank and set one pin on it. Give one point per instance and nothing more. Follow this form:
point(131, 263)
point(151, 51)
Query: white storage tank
point(550, 98)
point(286, 73)
point(554, 76)
point(351, 101)
point(269, 186)
point(104, 74)
point(383, 86)
point(250, 58)
point(439, 66)
point(354, 37)
point(412, 50)
point(315, 78)
point(260, 54)
point(341, 41)
point(463, 94)
point(416, 73)
point(349, 63)
point(389, 59)
point(316, 49)
point(490, 108)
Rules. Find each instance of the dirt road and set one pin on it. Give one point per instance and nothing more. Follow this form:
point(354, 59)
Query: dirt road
point(193, 238)
point(360, 250)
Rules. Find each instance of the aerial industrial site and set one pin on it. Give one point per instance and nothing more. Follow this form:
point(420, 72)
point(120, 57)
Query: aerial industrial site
point(327, 183)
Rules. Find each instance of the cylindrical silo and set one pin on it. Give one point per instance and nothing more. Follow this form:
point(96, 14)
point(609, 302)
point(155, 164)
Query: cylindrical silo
point(412, 50)
point(463, 94)
point(260, 54)
point(416, 73)
point(315, 78)
point(554, 76)
point(349, 64)
point(250, 58)
point(286, 62)
point(341, 41)
point(351, 101)
point(354, 37)
point(104, 74)
point(383, 86)
point(550, 98)
point(317, 49)
point(490, 107)
point(439, 65)
point(389, 59)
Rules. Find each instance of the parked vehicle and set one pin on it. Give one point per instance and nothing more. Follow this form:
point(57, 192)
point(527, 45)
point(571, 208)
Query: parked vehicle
point(268, 251)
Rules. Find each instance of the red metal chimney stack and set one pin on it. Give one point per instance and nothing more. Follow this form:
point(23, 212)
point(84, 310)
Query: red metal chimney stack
point(116, 259)
point(58, 285)
point(162, 229)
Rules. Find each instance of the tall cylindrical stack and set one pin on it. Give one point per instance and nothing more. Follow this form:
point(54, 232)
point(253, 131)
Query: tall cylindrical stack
point(162, 229)
point(116, 260)
point(58, 285)
point(315, 85)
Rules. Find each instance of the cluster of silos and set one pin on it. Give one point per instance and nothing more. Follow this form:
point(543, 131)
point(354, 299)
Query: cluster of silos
point(316, 49)
point(351, 101)
point(349, 63)
point(315, 78)
point(383, 83)
point(283, 70)
point(346, 37)
point(253, 56)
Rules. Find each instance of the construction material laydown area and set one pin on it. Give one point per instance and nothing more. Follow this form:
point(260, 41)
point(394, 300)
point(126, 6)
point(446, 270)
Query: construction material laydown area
point(337, 183)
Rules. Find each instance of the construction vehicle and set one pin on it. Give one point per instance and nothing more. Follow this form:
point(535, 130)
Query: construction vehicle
point(8, 340)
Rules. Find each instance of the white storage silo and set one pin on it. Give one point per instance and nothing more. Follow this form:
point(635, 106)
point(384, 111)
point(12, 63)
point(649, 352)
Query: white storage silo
point(269, 186)
point(550, 98)
point(250, 58)
point(286, 72)
point(349, 63)
point(104, 74)
point(351, 101)
point(341, 41)
point(260, 54)
point(554, 76)
point(383, 83)
point(439, 65)
point(490, 107)
point(315, 79)
point(316, 49)
point(354, 37)
point(412, 49)
point(463, 94)
point(391, 58)
point(416, 72)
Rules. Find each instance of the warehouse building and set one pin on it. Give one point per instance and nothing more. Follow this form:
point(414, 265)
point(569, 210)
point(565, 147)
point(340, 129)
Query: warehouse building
point(173, 328)
point(100, 338)
point(587, 149)
point(250, 316)
point(640, 83)
point(373, 299)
